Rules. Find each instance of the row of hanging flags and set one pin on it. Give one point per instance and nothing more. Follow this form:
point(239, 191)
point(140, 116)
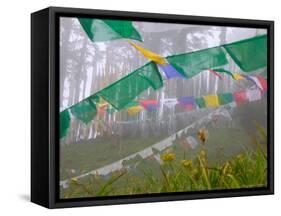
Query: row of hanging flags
point(191, 102)
point(185, 137)
point(249, 54)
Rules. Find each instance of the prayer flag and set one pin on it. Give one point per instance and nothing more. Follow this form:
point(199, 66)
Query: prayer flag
point(249, 54)
point(106, 29)
point(169, 102)
point(225, 98)
point(211, 100)
point(187, 102)
point(200, 102)
point(253, 94)
point(237, 76)
point(170, 71)
point(64, 122)
point(190, 64)
point(84, 111)
point(125, 90)
point(150, 55)
point(188, 106)
point(263, 82)
point(134, 110)
point(240, 97)
point(149, 105)
point(192, 142)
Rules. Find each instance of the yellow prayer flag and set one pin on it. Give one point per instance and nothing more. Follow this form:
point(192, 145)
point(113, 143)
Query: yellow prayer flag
point(150, 55)
point(237, 76)
point(134, 110)
point(211, 100)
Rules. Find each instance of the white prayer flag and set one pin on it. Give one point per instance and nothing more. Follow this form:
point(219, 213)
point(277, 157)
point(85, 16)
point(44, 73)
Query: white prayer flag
point(253, 94)
point(169, 102)
point(146, 153)
point(192, 142)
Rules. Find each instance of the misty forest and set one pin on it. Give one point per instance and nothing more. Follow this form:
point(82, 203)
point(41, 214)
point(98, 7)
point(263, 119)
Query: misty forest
point(160, 145)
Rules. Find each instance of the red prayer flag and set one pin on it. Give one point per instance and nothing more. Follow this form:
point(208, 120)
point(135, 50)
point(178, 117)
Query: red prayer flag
point(240, 96)
point(188, 106)
point(149, 104)
point(263, 82)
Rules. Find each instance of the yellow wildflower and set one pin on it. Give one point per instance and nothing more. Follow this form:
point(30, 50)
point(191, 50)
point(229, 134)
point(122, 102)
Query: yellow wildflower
point(186, 163)
point(168, 156)
point(74, 180)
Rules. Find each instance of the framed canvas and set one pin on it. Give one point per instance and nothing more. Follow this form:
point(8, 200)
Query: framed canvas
point(138, 107)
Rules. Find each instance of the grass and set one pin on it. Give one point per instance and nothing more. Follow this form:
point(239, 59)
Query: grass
point(88, 156)
point(244, 170)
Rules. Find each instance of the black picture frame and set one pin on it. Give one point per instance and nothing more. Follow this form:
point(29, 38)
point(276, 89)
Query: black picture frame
point(45, 106)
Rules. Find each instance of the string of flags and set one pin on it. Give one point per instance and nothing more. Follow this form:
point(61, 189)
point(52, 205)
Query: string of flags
point(249, 54)
point(186, 102)
point(171, 72)
point(190, 102)
point(123, 92)
point(241, 52)
point(182, 137)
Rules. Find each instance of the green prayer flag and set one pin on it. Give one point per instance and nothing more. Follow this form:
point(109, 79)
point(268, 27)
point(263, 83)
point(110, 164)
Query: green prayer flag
point(85, 111)
point(125, 90)
point(105, 30)
point(225, 98)
point(93, 99)
point(200, 102)
point(249, 54)
point(64, 122)
point(190, 64)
